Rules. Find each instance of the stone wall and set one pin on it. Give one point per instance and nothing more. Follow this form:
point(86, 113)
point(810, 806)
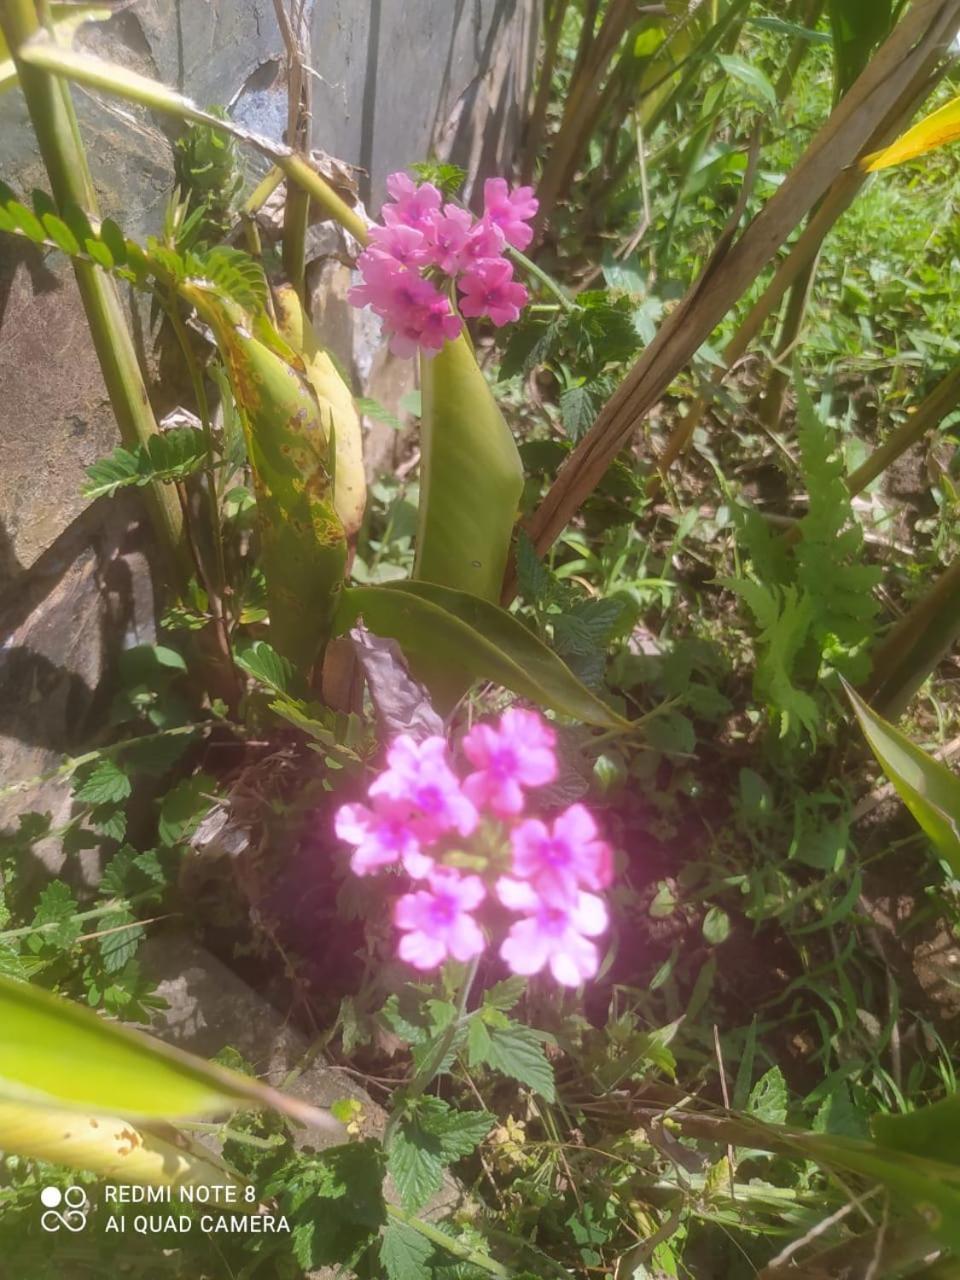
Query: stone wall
point(394, 80)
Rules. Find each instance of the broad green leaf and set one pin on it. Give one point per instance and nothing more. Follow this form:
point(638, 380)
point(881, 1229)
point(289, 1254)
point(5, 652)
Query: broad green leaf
point(932, 1132)
point(405, 1252)
point(112, 1148)
point(470, 477)
point(516, 1051)
point(456, 638)
point(291, 450)
point(56, 1053)
point(66, 19)
point(428, 1139)
point(939, 128)
point(337, 409)
point(107, 784)
point(928, 789)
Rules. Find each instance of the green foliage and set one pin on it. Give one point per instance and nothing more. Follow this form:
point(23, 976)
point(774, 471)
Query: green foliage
point(428, 1136)
point(169, 457)
point(814, 607)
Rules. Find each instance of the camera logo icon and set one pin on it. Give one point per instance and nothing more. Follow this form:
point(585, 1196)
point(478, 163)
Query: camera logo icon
point(68, 1209)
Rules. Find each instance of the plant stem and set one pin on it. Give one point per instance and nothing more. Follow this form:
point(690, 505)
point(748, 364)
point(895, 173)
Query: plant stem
point(432, 1065)
point(71, 765)
point(55, 125)
point(104, 909)
point(438, 1237)
point(547, 281)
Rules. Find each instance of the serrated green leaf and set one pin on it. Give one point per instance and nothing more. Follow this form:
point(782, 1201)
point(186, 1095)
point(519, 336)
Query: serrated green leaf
point(55, 912)
point(105, 784)
point(122, 936)
point(406, 1253)
point(425, 1142)
point(517, 1051)
point(578, 409)
point(504, 995)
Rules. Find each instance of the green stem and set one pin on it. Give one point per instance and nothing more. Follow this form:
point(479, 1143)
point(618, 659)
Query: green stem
point(440, 1238)
point(54, 122)
point(432, 1065)
point(104, 909)
point(71, 765)
point(547, 281)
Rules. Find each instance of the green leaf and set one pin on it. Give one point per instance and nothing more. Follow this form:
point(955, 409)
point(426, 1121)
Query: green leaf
point(405, 1253)
point(516, 1051)
point(184, 806)
point(425, 1141)
point(341, 1190)
point(460, 638)
point(504, 995)
point(716, 926)
point(56, 907)
point(768, 1098)
point(933, 1132)
point(858, 27)
point(56, 1053)
point(470, 477)
point(578, 408)
point(928, 789)
point(122, 936)
point(750, 76)
point(168, 456)
point(106, 784)
point(267, 666)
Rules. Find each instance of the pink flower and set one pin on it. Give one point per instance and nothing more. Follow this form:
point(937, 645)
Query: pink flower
point(485, 241)
point(418, 777)
point(436, 921)
point(562, 860)
point(415, 205)
point(382, 835)
point(517, 754)
point(449, 237)
point(510, 210)
point(404, 244)
point(550, 934)
point(489, 290)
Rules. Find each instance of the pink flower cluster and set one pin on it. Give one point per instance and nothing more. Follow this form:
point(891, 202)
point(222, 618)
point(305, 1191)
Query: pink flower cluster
point(425, 247)
point(423, 817)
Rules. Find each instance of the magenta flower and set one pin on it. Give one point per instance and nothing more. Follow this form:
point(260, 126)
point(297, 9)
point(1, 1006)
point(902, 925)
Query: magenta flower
point(485, 241)
point(436, 921)
point(414, 205)
point(552, 935)
point(489, 289)
point(517, 754)
point(419, 777)
point(562, 860)
point(510, 210)
point(382, 835)
point(403, 244)
point(449, 238)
